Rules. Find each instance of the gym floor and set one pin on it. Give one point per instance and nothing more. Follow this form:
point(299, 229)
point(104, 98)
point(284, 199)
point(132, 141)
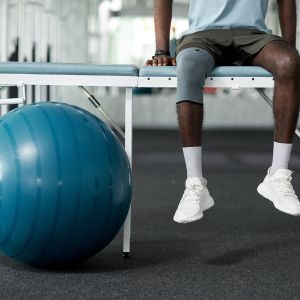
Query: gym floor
point(243, 248)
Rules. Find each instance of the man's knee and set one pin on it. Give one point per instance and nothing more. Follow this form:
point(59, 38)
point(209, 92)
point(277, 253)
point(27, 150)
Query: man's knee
point(193, 64)
point(288, 66)
point(194, 61)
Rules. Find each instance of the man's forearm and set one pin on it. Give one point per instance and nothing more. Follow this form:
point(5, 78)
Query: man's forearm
point(288, 20)
point(162, 23)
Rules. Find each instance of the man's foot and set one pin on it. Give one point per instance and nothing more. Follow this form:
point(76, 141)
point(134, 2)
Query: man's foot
point(194, 201)
point(278, 189)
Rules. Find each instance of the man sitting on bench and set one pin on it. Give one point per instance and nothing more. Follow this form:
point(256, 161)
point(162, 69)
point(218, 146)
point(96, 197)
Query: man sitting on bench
point(231, 32)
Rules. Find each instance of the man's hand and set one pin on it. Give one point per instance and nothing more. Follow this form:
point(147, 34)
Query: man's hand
point(161, 60)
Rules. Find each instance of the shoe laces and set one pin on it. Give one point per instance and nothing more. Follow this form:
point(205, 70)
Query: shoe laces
point(192, 193)
point(284, 186)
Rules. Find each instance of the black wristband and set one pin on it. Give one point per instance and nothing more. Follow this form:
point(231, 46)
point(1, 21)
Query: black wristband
point(161, 52)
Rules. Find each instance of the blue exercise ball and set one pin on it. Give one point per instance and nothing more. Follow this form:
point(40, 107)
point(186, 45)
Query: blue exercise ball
point(65, 184)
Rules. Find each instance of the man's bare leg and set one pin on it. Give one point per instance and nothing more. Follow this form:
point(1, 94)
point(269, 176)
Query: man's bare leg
point(196, 197)
point(283, 61)
point(190, 118)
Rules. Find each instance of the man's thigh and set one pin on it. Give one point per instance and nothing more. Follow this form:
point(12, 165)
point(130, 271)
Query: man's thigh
point(249, 42)
point(279, 58)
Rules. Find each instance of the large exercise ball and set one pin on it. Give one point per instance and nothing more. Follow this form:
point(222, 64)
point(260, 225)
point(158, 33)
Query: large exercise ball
point(65, 184)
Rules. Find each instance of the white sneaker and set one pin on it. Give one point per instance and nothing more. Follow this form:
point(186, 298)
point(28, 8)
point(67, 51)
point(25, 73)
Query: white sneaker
point(278, 189)
point(194, 201)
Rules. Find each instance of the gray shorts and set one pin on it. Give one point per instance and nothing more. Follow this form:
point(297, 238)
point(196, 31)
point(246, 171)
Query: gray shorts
point(228, 46)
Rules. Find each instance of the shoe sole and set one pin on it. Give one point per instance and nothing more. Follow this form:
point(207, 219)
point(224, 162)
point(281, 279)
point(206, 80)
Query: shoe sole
point(263, 192)
point(196, 218)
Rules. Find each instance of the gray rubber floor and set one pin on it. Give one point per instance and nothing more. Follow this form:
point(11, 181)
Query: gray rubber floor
point(243, 248)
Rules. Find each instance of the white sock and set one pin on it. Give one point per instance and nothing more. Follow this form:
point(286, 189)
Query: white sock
point(193, 161)
point(281, 156)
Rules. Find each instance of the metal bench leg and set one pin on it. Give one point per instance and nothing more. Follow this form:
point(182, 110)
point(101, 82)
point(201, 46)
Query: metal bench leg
point(128, 148)
point(270, 102)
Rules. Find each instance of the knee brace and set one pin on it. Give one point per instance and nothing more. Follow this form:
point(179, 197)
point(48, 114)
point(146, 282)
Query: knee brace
point(193, 65)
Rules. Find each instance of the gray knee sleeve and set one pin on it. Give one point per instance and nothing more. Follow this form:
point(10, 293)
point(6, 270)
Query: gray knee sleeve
point(193, 64)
